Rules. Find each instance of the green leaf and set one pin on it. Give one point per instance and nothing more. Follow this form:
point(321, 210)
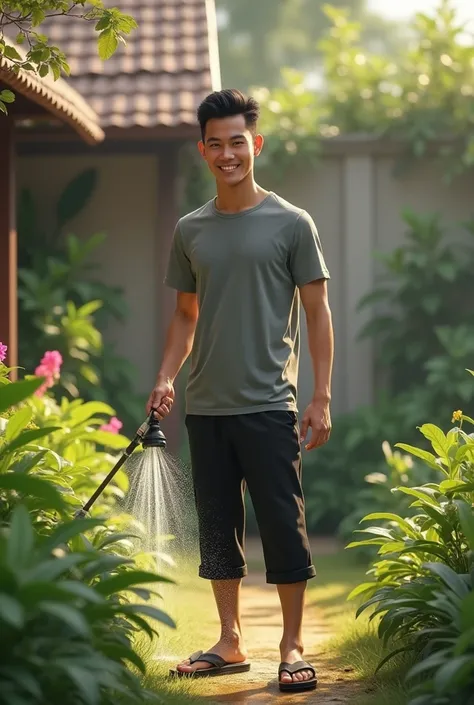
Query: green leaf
point(392, 655)
point(11, 53)
point(16, 392)
point(52, 569)
point(451, 673)
point(26, 437)
point(429, 458)
point(109, 440)
point(87, 686)
point(149, 611)
point(65, 532)
point(121, 652)
point(17, 423)
point(20, 539)
point(75, 196)
point(449, 578)
point(70, 616)
point(7, 96)
point(117, 583)
point(11, 611)
point(437, 439)
point(402, 523)
point(89, 409)
point(34, 487)
point(361, 589)
point(108, 43)
point(423, 495)
point(466, 518)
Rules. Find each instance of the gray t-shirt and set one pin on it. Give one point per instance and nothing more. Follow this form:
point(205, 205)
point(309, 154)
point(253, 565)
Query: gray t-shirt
point(246, 269)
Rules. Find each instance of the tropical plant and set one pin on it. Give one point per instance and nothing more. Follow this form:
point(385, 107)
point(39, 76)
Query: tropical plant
point(67, 585)
point(64, 305)
point(422, 583)
point(426, 282)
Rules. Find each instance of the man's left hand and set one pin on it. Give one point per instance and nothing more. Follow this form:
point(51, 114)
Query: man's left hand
point(317, 417)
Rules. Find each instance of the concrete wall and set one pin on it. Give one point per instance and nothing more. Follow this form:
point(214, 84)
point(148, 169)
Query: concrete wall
point(353, 196)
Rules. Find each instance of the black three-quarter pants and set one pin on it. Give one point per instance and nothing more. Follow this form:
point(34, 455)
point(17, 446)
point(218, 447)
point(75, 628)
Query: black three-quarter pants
point(260, 451)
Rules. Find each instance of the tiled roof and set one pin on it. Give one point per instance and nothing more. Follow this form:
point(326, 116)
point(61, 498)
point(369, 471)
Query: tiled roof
point(56, 97)
point(169, 64)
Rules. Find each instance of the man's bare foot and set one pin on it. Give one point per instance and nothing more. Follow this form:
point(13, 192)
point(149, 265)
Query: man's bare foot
point(231, 649)
point(292, 655)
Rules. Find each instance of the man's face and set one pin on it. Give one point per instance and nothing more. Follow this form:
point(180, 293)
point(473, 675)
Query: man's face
point(230, 148)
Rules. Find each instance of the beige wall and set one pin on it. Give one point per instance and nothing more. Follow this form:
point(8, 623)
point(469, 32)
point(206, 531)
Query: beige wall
point(355, 200)
point(124, 207)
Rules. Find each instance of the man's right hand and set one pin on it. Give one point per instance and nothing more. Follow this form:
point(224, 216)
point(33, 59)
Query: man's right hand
point(161, 399)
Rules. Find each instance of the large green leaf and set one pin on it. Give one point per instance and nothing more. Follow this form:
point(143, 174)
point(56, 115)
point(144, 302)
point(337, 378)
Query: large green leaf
point(17, 423)
point(429, 458)
point(71, 617)
point(11, 611)
point(119, 652)
point(34, 487)
point(89, 409)
point(11, 394)
point(449, 578)
point(66, 531)
point(117, 583)
point(149, 611)
point(466, 518)
point(423, 494)
point(453, 672)
point(75, 196)
point(27, 437)
point(20, 539)
point(402, 523)
point(87, 686)
point(437, 439)
point(53, 568)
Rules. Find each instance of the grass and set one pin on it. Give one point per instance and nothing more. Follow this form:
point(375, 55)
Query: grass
point(191, 605)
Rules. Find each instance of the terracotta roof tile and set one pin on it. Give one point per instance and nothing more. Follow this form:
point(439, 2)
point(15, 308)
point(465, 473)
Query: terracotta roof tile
point(169, 64)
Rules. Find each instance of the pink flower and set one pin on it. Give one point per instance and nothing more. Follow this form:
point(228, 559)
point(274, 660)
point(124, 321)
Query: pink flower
point(49, 368)
point(3, 351)
point(113, 426)
point(52, 361)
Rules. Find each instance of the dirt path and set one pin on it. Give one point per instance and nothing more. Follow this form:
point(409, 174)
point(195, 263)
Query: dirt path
point(262, 620)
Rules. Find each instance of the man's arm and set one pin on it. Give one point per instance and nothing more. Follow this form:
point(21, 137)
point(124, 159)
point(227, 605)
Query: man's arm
point(314, 297)
point(180, 336)
point(179, 343)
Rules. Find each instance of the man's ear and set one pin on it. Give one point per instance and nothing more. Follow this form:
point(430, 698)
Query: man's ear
point(258, 145)
point(201, 148)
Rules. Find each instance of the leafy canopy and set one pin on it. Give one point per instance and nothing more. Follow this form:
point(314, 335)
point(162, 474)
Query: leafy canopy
point(28, 49)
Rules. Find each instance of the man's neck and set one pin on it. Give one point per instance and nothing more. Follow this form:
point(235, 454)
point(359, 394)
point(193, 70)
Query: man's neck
point(238, 198)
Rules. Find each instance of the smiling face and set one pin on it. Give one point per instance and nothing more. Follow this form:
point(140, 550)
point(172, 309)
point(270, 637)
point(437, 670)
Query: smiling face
point(230, 148)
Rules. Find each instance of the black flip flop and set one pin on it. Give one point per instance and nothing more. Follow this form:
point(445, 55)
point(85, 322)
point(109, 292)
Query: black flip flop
point(219, 667)
point(292, 668)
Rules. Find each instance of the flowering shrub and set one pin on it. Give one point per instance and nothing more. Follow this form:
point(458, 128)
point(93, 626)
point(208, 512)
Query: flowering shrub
point(67, 615)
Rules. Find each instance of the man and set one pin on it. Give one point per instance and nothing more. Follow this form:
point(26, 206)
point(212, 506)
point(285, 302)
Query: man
point(241, 264)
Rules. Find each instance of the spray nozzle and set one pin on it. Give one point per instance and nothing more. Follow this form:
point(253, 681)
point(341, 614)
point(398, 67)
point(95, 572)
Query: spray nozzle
point(154, 436)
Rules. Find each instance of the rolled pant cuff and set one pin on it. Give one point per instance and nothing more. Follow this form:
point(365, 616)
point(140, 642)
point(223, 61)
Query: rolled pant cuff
point(293, 576)
point(221, 573)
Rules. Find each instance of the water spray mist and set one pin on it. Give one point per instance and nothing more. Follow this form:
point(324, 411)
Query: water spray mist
point(149, 435)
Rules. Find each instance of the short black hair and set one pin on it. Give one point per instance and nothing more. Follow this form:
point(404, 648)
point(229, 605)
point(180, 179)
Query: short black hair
point(225, 103)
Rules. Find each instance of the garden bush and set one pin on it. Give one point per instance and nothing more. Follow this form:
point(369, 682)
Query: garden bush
point(421, 588)
point(73, 592)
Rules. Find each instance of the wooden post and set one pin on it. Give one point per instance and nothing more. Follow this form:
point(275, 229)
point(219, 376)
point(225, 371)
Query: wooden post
point(167, 207)
point(8, 244)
